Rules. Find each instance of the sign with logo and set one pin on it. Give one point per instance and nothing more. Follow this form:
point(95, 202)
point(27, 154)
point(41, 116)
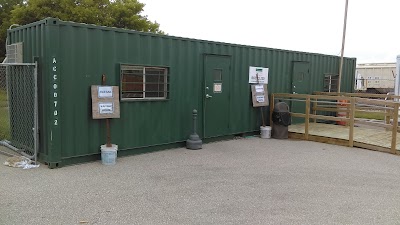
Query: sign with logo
point(258, 75)
point(105, 102)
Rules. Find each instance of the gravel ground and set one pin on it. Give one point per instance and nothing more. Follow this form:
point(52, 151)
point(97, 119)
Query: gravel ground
point(244, 181)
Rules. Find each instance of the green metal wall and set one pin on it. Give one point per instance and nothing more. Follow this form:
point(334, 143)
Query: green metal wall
point(82, 53)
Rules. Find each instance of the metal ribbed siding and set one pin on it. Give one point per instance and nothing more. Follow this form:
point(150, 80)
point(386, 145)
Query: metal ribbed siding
point(85, 52)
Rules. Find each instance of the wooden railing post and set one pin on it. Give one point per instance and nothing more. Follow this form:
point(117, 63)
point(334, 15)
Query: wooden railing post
point(394, 127)
point(307, 119)
point(351, 122)
point(314, 108)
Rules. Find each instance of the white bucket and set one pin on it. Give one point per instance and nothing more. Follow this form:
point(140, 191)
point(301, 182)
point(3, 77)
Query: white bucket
point(265, 132)
point(109, 154)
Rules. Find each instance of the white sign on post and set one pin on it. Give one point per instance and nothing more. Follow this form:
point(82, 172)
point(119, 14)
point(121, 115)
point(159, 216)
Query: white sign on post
point(106, 108)
point(105, 92)
point(258, 75)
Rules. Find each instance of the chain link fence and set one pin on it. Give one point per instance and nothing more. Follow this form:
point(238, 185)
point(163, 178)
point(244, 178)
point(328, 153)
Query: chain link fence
point(18, 108)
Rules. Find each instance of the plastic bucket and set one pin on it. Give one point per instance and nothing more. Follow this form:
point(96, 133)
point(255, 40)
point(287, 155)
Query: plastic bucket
point(109, 155)
point(265, 132)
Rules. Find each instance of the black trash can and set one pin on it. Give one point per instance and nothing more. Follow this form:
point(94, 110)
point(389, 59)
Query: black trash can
point(281, 120)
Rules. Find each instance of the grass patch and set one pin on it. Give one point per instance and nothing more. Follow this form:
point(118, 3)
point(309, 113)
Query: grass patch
point(370, 115)
point(4, 124)
point(3, 95)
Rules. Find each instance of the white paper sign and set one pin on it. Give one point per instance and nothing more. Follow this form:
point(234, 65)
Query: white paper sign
point(106, 108)
point(105, 92)
point(260, 88)
point(258, 75)
point(260, 98)
point(217, 87)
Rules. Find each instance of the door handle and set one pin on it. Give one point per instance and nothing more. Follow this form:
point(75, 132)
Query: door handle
point(208, 96)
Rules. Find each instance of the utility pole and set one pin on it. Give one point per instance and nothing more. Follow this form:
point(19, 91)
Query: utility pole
point(343, 41)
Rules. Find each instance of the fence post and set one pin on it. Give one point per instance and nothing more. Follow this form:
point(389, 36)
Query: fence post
point(351, 122)
point(314, 108)
point(307, 119)
point(394, 127)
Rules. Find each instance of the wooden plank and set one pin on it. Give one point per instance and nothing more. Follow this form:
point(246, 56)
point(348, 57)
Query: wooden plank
point(332, 118)
point(296, 136)
point(351, 122)
point(301, 115)
point(325, 93)
point(331, 109)
point(326, 97)
point(362, 95)
point(394, 129)
point(285, 95)
point(371, 147)
point(307, 118)
point(334, 141)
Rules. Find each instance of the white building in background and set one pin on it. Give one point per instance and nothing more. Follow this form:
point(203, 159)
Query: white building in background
point(375, 77)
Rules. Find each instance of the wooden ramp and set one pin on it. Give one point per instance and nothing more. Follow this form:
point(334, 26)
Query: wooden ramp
point(374, 138)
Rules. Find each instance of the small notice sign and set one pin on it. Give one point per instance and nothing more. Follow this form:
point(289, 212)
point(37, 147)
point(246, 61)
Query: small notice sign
point(258, 75)
point(105, 92)
point(217, 88)
point(105, 102)
point(259, 95)
point(259, 88)
point(260, 98)
point(106, 108)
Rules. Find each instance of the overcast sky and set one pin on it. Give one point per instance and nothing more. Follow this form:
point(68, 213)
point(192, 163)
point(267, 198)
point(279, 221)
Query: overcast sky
point(373, 26)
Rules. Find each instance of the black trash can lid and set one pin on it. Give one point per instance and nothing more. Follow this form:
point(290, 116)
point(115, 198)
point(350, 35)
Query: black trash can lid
point(281, 107)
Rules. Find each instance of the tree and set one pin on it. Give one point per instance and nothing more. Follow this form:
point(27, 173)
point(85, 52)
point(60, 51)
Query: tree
point(114, 13)
point(6, 6)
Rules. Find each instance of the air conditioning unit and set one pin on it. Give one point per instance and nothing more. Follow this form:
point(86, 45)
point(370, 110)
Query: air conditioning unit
point(14, 53)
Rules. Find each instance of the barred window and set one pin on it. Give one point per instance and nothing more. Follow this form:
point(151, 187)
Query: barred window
point(331, 82)
point(141, 82)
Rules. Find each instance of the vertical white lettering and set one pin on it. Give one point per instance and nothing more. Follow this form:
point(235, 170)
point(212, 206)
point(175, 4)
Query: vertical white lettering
point(55, 122)
point(55, 94)
point(55, 112)
point(55, 103)
point(55, 77)
point(54, 60)
point(54, 68)
point(55, 86)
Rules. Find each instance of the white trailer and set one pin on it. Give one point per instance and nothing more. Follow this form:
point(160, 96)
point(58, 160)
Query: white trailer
point(375, 77)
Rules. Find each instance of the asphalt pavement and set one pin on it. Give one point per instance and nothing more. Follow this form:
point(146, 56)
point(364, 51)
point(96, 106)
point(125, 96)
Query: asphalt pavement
point(243, 181)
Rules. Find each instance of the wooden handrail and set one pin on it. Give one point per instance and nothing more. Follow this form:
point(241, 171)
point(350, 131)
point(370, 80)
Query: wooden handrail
point(349, 103)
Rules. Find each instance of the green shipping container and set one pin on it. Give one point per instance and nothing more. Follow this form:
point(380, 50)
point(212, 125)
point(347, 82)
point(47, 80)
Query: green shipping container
point(161, 80)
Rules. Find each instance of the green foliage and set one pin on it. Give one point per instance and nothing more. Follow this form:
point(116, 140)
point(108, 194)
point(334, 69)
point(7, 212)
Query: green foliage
point(6, 6)
point(114, 13)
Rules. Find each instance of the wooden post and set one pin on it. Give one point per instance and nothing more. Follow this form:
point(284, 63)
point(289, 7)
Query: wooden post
point(307, 122)
point(351, 122)
point(108, 132)
point(394, 127)
point(348, 111)
point(315, 105)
